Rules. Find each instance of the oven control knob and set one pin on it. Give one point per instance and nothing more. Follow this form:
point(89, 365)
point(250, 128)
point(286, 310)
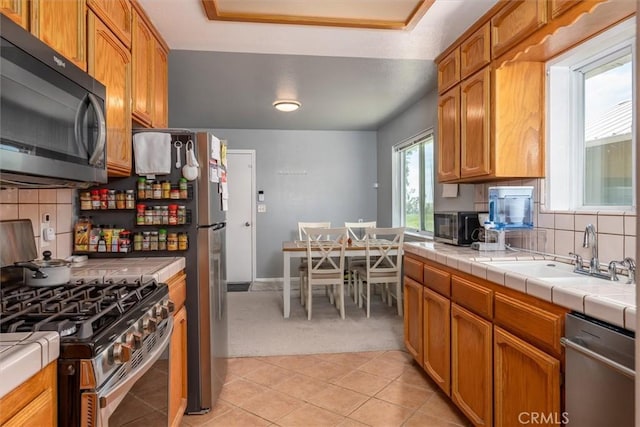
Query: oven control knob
point(121, 353)
point(169, 305)
point(165, 311)
point(134, 340)
point(150, 325)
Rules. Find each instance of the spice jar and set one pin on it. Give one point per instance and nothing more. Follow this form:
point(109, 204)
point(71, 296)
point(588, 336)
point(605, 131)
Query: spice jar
point(148, 216)
point(120, 202)
point(182, 185)
point(111, 199)
point(153, 241)
point(142, 189)
point(182, 214)
point(183, 241)
point(124, 241)
point(157, 190)
point(157, 215)
point(104, 195)
point(173, 214)
point(85, 200)
point(148, 189)
point(129, 200)
point(174, 194)
point(164, 215)
point(95, 199)
point(140, 210)
point(166, 189)
point(137, 241)
point(162, 239)
point(146, 240)
point(172, 241)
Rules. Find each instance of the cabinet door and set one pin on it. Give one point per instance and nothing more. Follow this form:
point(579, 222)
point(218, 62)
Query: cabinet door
point(160, 118)
point(17, 10)
point(526, 380)
point(413, 318)
point(437, 338)
point(449, 135)
point(178, 368)
point(116, 14)
point(515, 22)
point(471, 365)
point(475, 51)
point(475, 139)
point(34, 402)
point(142, 56)
point(110, 63)
point(61, 25)
point(449, 71)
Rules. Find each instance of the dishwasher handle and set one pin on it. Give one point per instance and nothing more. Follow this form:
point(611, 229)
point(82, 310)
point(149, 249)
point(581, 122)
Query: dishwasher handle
point(566, 342)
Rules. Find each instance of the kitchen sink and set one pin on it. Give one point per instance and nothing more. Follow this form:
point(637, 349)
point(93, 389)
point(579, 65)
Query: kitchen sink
point(536, 268)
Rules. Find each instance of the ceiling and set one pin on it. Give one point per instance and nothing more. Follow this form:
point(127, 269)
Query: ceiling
point(227, 74)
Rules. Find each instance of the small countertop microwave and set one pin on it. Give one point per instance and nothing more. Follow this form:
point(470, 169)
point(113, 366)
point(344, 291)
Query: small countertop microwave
point(53, 131)
point(456, 228)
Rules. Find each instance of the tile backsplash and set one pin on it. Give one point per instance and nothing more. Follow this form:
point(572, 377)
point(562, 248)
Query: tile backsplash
point(34, 204)
point(564, 230)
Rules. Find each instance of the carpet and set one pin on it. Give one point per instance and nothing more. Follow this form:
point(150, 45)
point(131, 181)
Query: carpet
point(257, 328)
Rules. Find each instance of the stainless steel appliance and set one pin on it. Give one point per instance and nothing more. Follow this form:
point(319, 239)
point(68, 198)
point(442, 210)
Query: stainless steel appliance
point(53, 129)
point(205, 266)
point(599, 373)
point(111, 334)
point(456, 228)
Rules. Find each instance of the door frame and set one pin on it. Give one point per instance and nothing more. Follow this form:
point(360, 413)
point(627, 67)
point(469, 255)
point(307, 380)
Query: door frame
point(253, 206)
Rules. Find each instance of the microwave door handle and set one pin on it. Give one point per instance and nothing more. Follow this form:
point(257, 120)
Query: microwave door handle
point(80, 113)
point(102, 130)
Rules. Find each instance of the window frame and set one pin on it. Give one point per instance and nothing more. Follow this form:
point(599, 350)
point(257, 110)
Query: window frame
point(398, 193)
point(566, 118)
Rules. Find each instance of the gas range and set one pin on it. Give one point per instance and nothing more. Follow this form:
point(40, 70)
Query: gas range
point(110, 333)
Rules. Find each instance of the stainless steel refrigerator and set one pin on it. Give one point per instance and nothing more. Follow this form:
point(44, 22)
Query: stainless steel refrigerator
point(207, 293)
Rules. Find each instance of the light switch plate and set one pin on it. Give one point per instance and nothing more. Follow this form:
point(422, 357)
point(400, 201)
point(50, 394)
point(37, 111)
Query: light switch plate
point(262, 208)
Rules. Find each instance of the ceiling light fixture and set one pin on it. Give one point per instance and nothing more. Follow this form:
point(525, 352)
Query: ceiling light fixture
point(286, 105)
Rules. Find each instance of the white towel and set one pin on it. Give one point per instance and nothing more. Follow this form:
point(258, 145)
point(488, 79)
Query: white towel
point(152, 151)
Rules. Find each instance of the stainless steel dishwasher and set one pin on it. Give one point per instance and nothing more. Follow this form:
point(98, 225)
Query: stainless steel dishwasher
point(599, 373)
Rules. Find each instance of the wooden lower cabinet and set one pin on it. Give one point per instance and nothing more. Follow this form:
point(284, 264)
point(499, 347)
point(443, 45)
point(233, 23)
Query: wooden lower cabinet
point(34, 402)
point(178, 368)
point(413, 318)
point(436, 340)
point(526, 382)
point(471, 365)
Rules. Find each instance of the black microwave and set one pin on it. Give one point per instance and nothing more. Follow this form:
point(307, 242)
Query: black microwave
point(53, 131)
point(456, 228)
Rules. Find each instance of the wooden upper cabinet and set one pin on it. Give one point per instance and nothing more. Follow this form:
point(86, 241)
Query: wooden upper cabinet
point(17, 11)
point(160, 116)
point(449, 71)
point(475, 51)
point(110, 63)
point(116, 14)
point(558, 7)
point(449, 135)
point(526, 380)
point(61, 25)
point(475, 137)
point(515, 22)
point(142, 53)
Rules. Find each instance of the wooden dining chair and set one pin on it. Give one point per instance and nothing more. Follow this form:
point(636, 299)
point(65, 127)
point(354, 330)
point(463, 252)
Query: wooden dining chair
point(324, 266)
point(383, 265)
point(356, 233)
point(302, 226)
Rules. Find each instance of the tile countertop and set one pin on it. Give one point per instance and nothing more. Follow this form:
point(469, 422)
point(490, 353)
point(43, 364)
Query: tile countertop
point(613, 302)
point(158, 268)
point(24, 354)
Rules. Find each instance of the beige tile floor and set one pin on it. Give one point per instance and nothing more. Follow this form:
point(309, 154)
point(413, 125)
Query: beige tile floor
point(385, 389)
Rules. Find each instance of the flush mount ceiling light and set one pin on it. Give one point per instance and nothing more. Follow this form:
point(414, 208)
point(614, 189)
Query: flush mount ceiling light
point(286, 105)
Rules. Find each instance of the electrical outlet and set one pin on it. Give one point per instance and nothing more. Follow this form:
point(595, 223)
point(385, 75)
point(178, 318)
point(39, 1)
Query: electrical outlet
point(262, 208)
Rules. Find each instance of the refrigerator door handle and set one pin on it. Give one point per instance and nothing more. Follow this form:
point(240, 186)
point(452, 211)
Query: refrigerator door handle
point(214, 227)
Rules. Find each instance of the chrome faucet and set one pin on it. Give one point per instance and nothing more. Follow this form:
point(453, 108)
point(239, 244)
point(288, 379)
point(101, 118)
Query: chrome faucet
point(590, 239)
point(627, 263)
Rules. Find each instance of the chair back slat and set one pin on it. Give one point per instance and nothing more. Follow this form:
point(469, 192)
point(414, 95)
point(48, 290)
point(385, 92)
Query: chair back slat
point(325, 250)
point(387, 243)
point(357, 229)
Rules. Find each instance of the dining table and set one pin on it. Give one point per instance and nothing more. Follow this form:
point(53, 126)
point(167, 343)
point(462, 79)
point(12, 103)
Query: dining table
point(298, 249)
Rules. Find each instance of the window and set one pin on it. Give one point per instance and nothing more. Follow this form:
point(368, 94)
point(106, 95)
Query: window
point(591, 143)
point(414, 182)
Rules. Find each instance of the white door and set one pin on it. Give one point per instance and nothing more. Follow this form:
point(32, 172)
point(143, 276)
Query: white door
point(241, 216)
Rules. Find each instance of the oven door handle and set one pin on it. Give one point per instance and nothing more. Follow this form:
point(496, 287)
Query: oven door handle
point(568, 343)
point(114, 395)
